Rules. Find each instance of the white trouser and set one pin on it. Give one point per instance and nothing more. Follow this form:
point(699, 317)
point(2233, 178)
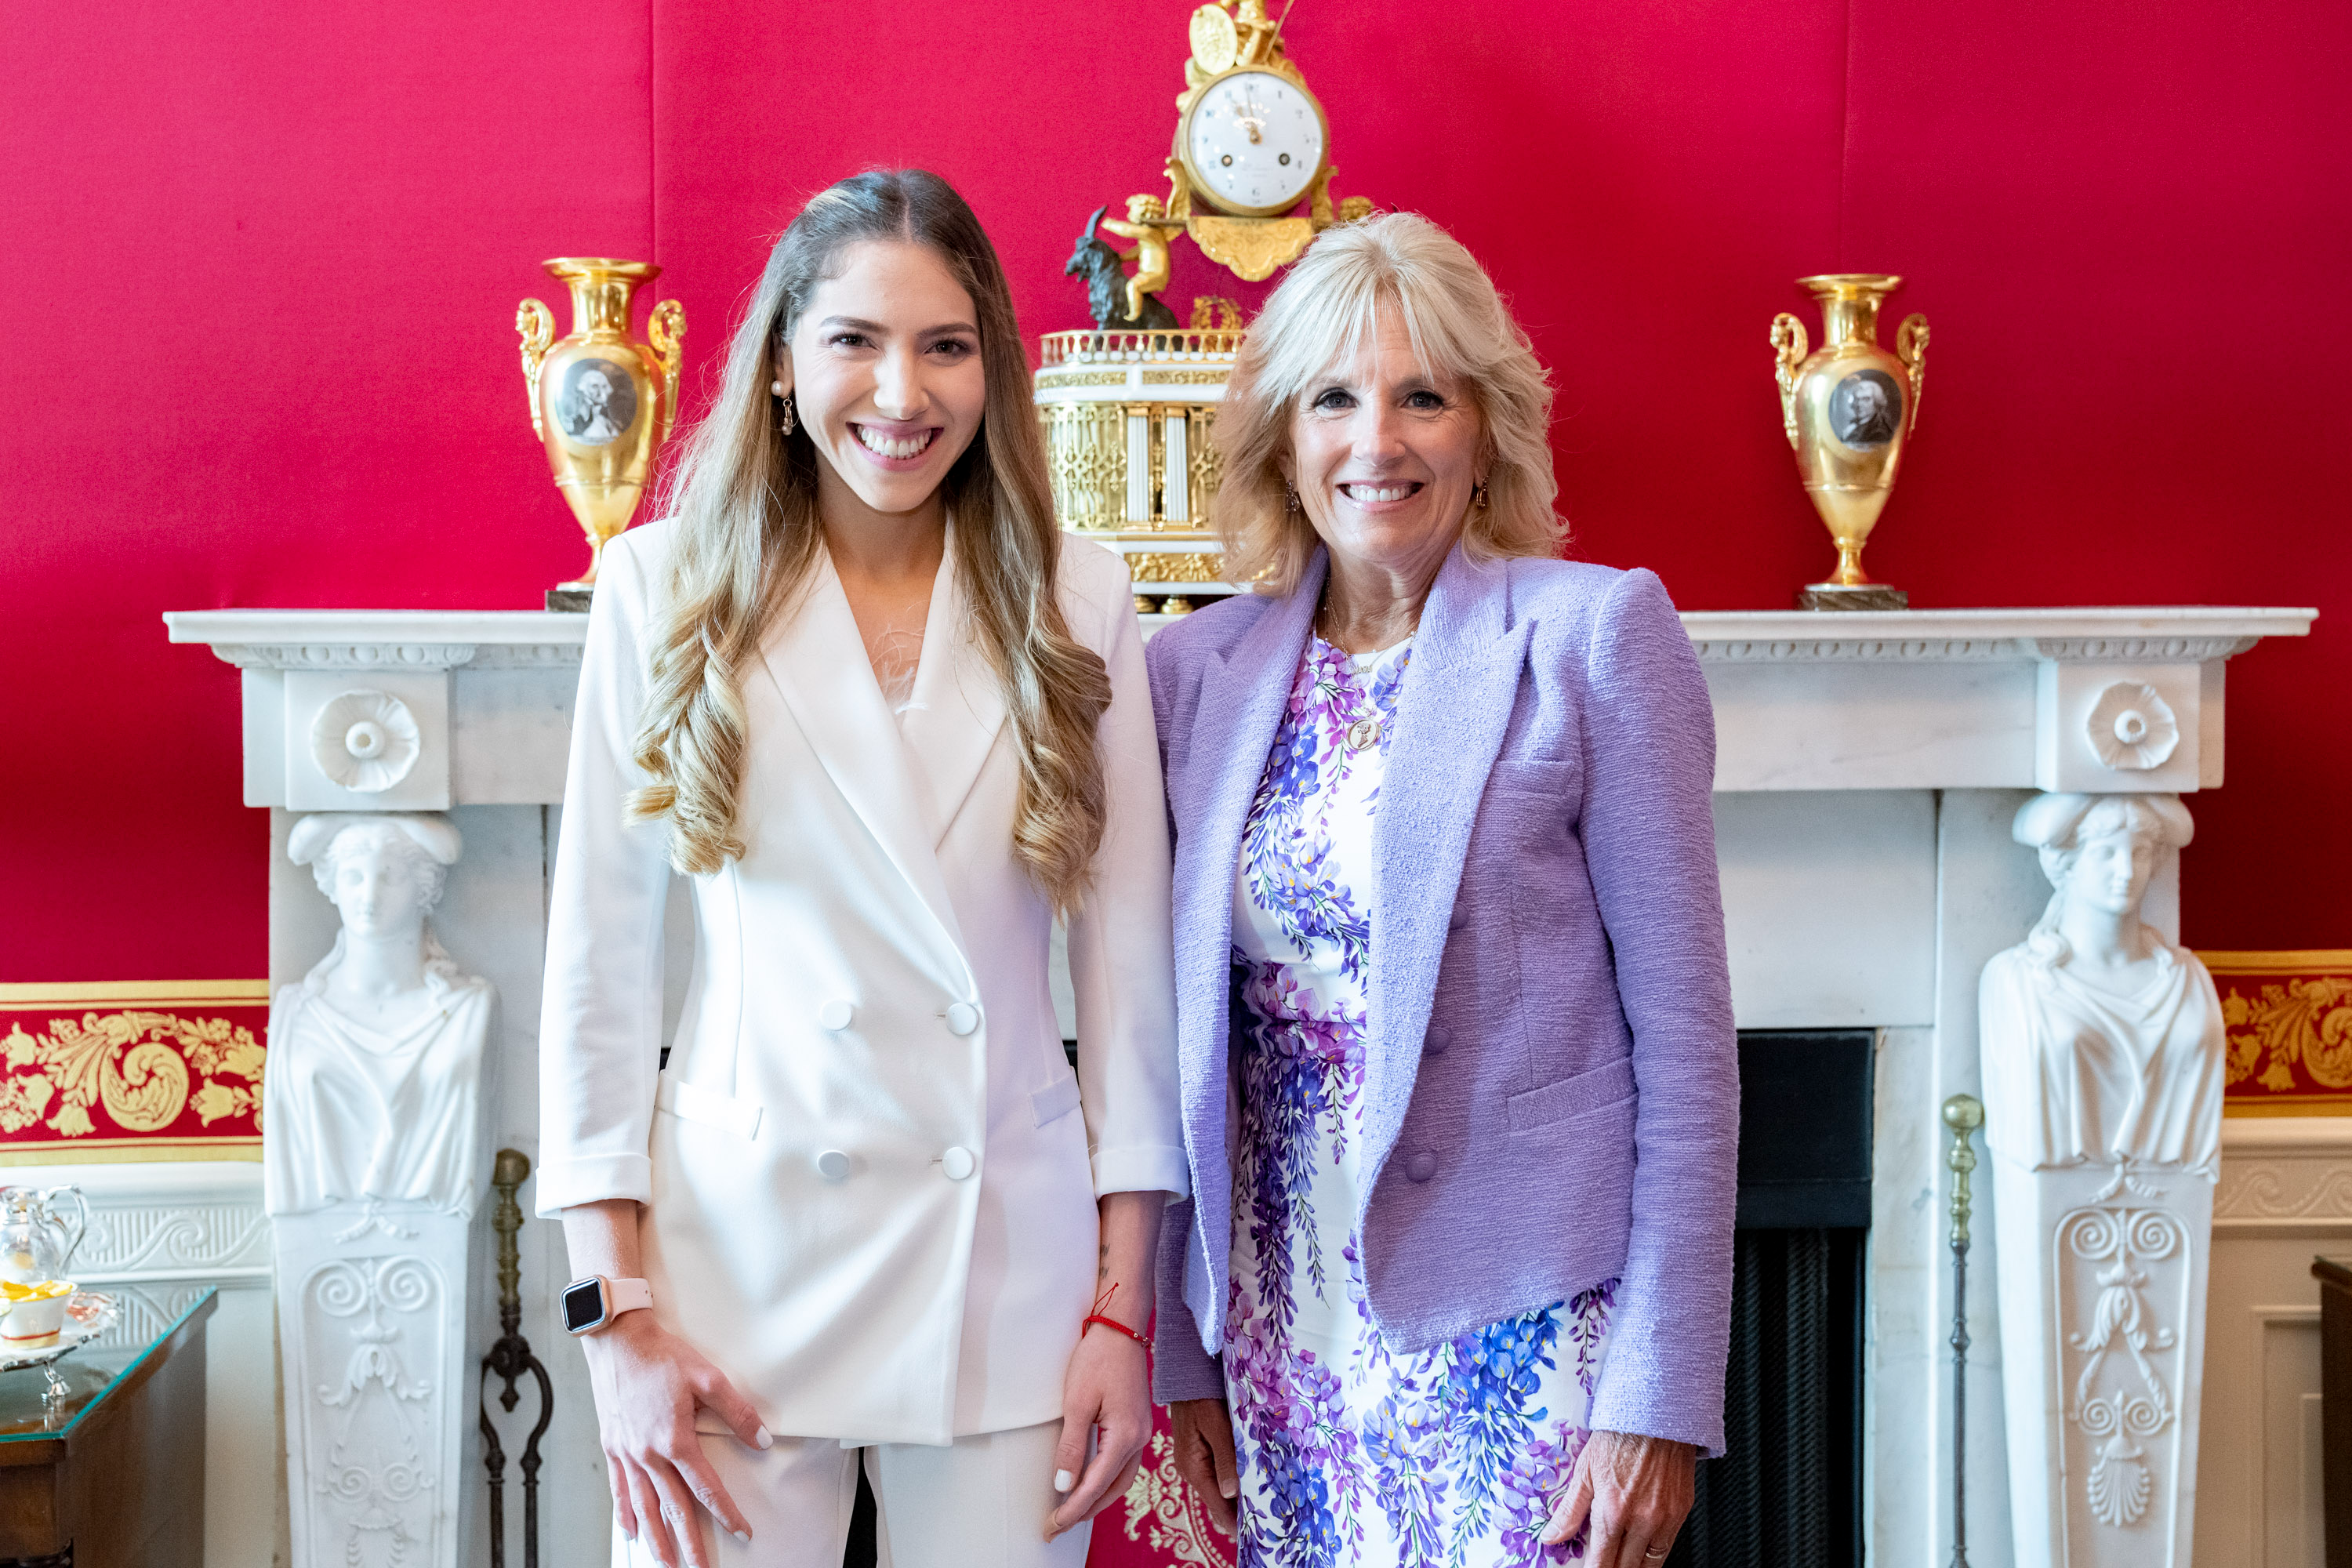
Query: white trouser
point(981, 1503)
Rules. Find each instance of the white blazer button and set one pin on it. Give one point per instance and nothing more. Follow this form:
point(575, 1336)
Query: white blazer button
point(836, 1013)
point(963, 1019)
point(833, 1164)
point(958, 1163)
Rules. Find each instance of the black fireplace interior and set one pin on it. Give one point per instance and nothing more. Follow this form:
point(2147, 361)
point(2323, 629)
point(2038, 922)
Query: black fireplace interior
point(1788, 1490)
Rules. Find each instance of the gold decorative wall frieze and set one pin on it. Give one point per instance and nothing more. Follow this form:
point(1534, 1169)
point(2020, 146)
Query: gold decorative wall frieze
point(1181, 378)
point(131, 1070)
point(2288, 1018)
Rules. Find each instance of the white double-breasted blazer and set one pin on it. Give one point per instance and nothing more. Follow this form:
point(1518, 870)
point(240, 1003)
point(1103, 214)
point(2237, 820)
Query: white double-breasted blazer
point(868, 1171)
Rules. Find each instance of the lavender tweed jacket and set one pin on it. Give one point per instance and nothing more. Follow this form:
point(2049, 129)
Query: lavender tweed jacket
point(1551, 1082)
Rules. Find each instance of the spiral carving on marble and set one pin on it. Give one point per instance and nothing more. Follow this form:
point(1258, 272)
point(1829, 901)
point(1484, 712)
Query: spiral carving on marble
point(370, 1323)
point(2121, 1393)
point(2284, 1189)
point(194, 1236)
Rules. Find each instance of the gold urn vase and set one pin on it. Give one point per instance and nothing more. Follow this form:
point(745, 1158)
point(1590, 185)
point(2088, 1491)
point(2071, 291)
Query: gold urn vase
point(601, 403)
point(1849, 408)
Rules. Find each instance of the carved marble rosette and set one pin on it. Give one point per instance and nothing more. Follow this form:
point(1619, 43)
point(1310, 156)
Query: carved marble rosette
point(374, 1150)
point(2102, 1048)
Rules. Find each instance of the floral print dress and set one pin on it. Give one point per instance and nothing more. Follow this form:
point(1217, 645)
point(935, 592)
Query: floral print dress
point(1350, 1455)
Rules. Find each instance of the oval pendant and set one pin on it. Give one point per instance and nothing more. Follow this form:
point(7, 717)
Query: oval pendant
point(1363, 734)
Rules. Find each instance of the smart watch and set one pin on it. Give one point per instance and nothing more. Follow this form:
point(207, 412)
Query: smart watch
point(593, 1303)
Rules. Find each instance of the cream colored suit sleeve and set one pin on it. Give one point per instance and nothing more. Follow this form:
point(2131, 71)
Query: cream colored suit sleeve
point(1121, 966)
point(600, 1023)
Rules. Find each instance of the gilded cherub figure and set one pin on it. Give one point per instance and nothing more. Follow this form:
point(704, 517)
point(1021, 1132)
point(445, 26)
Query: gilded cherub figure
point(1146, 224)
point(1132, 308)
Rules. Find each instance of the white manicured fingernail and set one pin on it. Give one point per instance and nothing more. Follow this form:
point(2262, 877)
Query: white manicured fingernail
point(744, 1536)
point(764, 1438)
point(1229, 1488)
point(1064, 1480)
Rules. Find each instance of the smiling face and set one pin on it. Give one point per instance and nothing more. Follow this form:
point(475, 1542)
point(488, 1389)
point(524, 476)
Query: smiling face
point(1384, 457)
point(885, 371)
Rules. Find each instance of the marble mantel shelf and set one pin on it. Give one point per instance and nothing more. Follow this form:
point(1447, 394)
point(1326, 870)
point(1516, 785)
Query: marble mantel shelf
point(1985, 699)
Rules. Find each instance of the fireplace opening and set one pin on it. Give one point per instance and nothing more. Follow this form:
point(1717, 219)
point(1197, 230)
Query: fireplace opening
point(1788, 1489)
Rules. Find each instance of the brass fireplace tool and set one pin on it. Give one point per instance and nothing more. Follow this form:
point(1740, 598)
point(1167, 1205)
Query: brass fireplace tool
point(508, 1360)
point(1963, 1113)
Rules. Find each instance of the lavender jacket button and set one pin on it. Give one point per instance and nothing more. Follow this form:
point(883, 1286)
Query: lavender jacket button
point(1435, 1042)
point(1420, 1167)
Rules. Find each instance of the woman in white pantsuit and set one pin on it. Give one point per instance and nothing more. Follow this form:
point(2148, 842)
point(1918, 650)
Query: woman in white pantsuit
point(862, 692)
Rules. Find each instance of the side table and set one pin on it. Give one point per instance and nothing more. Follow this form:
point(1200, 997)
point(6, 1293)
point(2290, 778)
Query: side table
point(109, 1472)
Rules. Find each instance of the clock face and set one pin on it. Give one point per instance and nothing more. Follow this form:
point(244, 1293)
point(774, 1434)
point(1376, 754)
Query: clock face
point(1254, 142)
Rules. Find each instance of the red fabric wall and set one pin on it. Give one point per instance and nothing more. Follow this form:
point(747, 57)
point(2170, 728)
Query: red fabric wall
point(268, 258)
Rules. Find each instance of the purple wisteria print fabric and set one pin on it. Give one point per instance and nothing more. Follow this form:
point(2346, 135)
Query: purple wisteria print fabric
point(1352, 1457)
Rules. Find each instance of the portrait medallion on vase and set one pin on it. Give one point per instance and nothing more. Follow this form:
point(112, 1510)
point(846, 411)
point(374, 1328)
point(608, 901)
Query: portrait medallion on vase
point(598, 402)
point(1867, 409)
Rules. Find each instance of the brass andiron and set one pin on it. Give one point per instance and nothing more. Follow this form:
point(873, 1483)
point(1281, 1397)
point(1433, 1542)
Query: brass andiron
point(508, 1360)
point(1849, 408)
point(1963, 1113)
point(601, 403)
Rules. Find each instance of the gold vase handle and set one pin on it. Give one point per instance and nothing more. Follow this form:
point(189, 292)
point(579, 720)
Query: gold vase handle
point(1788, 350)
point(1911, 348)
point(538, 329)
point(665, 331)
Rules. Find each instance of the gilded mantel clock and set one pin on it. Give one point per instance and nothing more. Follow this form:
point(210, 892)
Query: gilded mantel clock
point(1252, 143)
point(1129, 407)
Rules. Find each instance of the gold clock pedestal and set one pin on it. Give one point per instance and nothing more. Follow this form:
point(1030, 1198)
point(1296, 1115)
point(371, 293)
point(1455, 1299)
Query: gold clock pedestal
point(1129, 419)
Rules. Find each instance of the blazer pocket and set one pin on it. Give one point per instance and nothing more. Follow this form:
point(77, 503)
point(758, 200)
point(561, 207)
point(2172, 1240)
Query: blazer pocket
point(1557, 1101)
point(1056, 1100)
point(691, 1102)
point(1536, 775)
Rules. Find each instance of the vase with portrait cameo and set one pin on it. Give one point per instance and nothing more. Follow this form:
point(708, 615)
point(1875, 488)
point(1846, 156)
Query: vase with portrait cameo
point(1849, 408)
point(601, 402)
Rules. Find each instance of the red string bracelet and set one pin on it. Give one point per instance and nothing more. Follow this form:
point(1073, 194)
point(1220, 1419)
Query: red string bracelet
point(1097, 1317)
point(1112, 1323)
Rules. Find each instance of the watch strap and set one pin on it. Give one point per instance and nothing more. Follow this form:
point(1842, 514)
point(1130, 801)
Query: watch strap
point(626, 1296)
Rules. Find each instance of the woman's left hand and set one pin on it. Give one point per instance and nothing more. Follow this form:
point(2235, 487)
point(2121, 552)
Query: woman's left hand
point(1635, 1490)
point(1107, 1388)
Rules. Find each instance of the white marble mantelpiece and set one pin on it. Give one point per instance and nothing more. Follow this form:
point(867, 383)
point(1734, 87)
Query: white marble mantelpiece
point(1903, 700)
point(492, 688)
point(1868, 767)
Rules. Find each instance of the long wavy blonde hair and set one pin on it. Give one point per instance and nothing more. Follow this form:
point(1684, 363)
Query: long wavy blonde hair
point(1322, 316)
point(744, 505)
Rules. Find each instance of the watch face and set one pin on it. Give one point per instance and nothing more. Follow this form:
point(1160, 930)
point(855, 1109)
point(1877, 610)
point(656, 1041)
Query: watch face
point(584, 1307)
point(1254, 142)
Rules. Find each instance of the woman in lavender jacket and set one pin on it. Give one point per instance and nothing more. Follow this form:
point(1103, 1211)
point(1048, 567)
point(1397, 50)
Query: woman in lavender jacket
point(1460, 1088)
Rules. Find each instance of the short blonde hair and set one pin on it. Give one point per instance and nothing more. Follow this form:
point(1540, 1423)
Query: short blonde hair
point(1322, 315)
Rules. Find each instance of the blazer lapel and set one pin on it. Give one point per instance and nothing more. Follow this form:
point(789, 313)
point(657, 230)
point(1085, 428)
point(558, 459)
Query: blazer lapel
point(1240, 708)
point(958, 707)
point(818, 663)
point(1451, 711)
